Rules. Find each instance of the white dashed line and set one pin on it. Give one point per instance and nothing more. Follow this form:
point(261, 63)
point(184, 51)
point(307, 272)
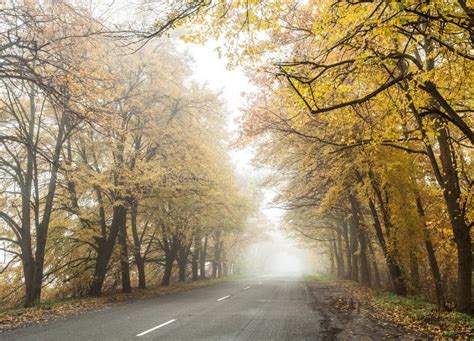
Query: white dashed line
point(223, 298)
point(259, 282)
point(155, 328)
point(246, 288)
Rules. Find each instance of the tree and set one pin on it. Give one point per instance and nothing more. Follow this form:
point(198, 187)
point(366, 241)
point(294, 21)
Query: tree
point(41, 90)
point(354, 78)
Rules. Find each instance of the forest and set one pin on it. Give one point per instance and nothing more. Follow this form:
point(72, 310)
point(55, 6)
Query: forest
point(115, 171)
point(365, 112)
point(113, 166)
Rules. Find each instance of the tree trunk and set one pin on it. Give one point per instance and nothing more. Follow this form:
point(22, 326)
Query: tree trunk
point(195, 258)
point(182, 263)
point(341, 257)
point(461, 231)
point(394, 269)
point(225, 269)
point(354, 245)
point(219, 260)
point(336, 256)
point(374, 265)
point(345, 231)
point(36, 269)
point(137, 243)
point(217, 256)
point(141, 272)
point(182, 271)
point(364, 262)
point(105, 250)
point(214, 269)
point(332, 270)
point(448, 182)
point(360, 234)
point(170, 256)
point(224, 265)
point(440, 297)
point(28, 271)
point(354, 234)
point(438, 283)
point(26, 194)
point(195, 269)
point(202, 259)
point(124, 264)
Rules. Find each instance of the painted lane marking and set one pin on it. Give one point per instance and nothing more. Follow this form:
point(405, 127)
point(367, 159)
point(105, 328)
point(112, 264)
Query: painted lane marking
point(259, 282)
point(223, 298)
point(246, 288)
point(155, 328)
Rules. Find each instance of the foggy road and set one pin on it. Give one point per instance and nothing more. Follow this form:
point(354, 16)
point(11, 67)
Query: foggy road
point(267, 308)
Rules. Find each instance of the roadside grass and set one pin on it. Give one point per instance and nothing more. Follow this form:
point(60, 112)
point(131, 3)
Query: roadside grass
point(12, 318)
point(318, 277)
point(422, 315)
point(45, 305)
point(412, 312)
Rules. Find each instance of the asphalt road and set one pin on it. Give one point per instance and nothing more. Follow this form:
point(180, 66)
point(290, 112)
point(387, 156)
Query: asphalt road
point(271, 308)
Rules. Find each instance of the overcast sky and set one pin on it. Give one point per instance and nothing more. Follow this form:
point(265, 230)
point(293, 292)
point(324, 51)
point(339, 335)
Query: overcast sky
point(209, 69)
point(212, 70)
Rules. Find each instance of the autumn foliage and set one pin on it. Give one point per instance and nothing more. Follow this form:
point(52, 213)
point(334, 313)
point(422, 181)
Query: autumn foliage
point(114, 168)
point(113, 163)
point(365, 113)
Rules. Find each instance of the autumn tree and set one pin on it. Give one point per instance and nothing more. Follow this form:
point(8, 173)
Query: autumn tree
point(358, 78)
point(41, 108)
point(99, 135)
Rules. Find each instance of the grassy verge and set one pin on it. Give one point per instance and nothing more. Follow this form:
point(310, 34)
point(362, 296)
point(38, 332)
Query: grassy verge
point(50, 309)
point(317, 277)
point(413, 313)
point(424, 316)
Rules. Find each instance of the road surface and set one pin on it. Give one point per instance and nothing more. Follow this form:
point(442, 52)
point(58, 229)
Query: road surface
point(270, 308)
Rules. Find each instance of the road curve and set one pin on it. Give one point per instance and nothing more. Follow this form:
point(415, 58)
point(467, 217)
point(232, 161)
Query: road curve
point(271, 308)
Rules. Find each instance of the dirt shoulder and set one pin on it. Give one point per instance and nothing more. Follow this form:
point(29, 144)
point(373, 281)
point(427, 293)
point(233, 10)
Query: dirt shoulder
point(353, 312)
point(11, 319)
point(353, 322)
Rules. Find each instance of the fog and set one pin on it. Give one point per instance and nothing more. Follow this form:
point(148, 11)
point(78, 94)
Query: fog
point(277, 255)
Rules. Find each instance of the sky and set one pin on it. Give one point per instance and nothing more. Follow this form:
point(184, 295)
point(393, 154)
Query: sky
point(211, 69)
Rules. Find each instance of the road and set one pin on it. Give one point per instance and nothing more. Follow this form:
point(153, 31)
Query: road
point(270, 308)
